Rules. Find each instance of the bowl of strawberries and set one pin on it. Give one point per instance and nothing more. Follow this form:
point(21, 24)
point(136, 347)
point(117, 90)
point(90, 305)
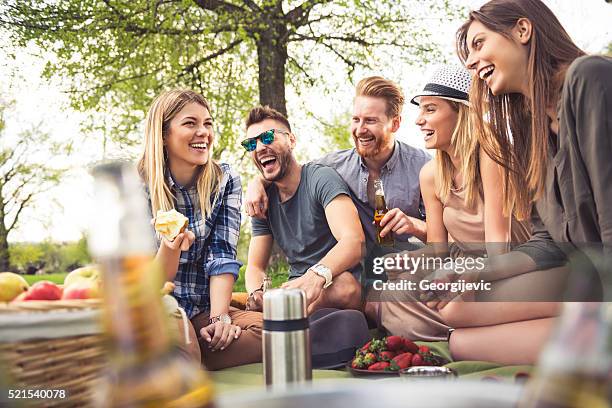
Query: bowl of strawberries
point(389, 355)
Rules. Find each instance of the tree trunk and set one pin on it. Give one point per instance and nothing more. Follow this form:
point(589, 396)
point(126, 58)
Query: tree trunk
point(272, 57)
point(4, 252)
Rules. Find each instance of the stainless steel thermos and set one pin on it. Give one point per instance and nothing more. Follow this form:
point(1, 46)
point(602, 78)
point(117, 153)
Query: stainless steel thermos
point(286, 338)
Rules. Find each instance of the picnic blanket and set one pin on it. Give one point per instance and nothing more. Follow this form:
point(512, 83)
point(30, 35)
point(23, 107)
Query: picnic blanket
point(251, 375)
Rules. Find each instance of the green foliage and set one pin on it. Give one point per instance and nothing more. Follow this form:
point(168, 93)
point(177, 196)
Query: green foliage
point(23, 255)
point(117, 55)
point(243, 243)
point(337, 132)
point(50, 256)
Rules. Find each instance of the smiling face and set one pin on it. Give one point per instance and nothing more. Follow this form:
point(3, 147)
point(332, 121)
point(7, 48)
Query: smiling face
point(499, 61)
point(272, 160)
point(371, 128)
point(188, 140)
point(437, 120)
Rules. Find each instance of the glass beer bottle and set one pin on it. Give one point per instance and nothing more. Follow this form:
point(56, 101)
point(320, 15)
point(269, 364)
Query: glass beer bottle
point(379, 212)
point(575, 368)
point(145, 368)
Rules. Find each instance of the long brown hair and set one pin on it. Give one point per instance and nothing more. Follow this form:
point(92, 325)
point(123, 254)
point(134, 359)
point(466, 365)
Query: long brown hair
point(512, 128)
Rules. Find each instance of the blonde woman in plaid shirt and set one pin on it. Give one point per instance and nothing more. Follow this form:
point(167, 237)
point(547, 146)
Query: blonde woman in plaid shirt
point(179, 172)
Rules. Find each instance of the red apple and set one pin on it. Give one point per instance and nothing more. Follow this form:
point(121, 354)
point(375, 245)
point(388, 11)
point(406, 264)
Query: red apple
point(82, 290)
point(44, 290)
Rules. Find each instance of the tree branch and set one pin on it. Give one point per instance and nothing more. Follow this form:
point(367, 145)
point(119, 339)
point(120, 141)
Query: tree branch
point(189, 68)
point(219, 5)
point(294, 62)
point(252, 5)
point(298, 15)
point(22, 205)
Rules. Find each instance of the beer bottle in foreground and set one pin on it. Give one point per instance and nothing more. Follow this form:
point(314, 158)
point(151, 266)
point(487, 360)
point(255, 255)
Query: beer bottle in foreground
point(575, 368)
point(145, 369)
point(380, 210)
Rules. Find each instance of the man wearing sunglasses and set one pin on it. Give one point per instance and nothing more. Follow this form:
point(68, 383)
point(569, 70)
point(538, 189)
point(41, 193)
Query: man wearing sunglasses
point(310, 216)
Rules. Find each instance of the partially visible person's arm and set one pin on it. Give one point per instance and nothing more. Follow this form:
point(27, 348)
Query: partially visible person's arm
point(260, 248)
point(436, 231)
point(496, 225)
point(588, 98)
point(222, 266)
point(256, 201)
point(345, 226)
point(169, 253)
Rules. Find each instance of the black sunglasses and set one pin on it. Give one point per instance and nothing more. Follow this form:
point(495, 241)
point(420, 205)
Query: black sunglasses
point(266, 138)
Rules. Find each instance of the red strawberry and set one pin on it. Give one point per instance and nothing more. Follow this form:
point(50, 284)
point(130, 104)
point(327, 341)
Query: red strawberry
point(423, 349)
point(380, 366)
point(386, 355)
point(369, 359)
point(417, 360)
point(357, 363)
point(410, 346)
point(403, 360)
point(393, 343)
point(365, 347)
point(431, 359)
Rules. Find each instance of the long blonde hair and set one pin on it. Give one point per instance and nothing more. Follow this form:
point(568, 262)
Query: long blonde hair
point(466, 147)
point(153, 164)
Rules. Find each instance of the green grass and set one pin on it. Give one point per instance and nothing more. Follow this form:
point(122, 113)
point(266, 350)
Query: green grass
point(278, 272)
point(53, 277)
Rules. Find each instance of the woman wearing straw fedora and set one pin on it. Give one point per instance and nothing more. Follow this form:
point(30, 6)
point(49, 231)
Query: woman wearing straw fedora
point(461, 190)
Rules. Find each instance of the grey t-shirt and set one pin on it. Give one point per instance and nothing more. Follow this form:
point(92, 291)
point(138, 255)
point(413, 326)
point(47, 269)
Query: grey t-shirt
point(299, 225)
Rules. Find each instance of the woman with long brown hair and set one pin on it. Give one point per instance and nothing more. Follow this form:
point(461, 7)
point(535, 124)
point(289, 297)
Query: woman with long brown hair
point(541, 109)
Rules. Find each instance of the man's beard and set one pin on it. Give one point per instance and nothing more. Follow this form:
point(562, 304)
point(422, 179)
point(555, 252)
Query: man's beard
point(370, 151)
point(283, 159)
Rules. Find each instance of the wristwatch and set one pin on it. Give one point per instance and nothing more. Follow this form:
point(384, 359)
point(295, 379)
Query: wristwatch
point(223, 317)
point(324, 272)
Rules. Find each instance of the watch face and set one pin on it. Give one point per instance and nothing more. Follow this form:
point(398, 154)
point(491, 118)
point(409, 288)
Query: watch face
point(225, 318)
point(321, 268)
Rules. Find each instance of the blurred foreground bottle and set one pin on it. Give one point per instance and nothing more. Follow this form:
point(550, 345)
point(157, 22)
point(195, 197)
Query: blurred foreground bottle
point(145, 368)
point(575, 368)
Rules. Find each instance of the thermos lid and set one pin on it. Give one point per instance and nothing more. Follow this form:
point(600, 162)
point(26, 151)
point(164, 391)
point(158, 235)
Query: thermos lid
point(284, 304)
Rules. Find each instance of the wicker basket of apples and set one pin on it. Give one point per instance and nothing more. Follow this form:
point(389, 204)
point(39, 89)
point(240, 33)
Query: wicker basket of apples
point(50, 338)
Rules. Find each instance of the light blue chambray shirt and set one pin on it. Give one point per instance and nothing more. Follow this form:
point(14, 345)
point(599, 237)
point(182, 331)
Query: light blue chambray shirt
point(400, 178)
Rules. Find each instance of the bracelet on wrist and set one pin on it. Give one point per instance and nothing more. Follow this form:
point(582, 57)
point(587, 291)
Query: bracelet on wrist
point(259, 289)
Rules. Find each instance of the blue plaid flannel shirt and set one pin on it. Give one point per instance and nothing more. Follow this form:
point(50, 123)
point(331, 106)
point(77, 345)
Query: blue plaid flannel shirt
point(214, 250)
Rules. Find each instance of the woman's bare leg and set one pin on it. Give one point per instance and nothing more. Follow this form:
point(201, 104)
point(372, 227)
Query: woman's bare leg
point(506, 344)
point(460, 314)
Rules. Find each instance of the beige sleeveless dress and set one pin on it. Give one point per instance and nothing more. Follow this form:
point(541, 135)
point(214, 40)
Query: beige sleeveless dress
point(411, 318)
